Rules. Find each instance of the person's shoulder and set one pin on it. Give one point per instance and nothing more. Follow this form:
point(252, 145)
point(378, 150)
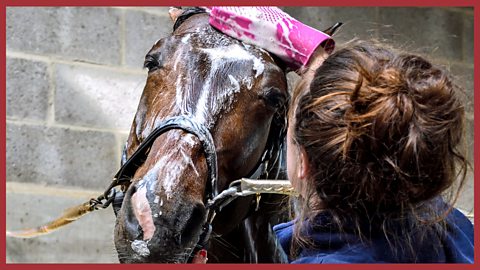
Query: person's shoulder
point(336, 258)
point(284, 233)
point(458, 243)
point(459, 220)
point(283, 226)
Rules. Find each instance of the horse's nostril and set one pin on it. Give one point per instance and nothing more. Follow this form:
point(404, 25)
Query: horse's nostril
point(127, 216)
point(194, 223)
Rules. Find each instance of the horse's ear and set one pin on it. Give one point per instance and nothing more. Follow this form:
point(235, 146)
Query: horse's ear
point(174, 13)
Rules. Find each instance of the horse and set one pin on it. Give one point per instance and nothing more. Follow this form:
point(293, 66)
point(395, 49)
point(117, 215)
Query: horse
point(213, 110)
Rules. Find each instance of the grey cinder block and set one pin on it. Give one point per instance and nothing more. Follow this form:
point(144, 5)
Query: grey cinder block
point(95, 97)
point(60, 156)
point(358, 22)
point(27, 89)
point(88, 240)
point(463, 76)
point(466, 195)
point(78, 33)
point(436, 32)
point(468, 38)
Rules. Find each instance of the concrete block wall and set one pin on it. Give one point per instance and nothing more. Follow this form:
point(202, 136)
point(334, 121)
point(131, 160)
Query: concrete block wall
point(74, 78)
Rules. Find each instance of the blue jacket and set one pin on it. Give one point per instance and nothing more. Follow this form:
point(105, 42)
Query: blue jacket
point(454, 245)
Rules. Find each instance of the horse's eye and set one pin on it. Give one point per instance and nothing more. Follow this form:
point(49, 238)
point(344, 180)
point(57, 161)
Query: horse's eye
point(151, 63)
point(274, 98)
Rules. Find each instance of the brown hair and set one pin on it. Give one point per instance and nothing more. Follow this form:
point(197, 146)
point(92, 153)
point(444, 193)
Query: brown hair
point(381, 130)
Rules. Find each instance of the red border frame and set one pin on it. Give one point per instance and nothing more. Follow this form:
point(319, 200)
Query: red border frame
point(424, 3)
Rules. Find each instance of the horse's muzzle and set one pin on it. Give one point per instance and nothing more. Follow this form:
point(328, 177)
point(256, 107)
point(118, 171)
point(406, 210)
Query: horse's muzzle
point(155, 230)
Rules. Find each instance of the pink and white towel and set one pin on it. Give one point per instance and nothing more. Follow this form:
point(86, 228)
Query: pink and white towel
point(272, 29)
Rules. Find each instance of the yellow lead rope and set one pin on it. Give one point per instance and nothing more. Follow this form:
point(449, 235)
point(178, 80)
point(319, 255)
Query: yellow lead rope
point(246, 187)
point(70, 215)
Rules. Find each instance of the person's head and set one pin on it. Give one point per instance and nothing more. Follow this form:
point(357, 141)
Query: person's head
point(376, 132)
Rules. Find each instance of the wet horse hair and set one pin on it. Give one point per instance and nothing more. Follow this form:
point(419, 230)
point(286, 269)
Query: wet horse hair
point(248, 234)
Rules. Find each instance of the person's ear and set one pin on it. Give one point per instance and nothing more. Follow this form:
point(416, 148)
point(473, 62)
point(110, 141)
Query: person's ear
point(304, 168)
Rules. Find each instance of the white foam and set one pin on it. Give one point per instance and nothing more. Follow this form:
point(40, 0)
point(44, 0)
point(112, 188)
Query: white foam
point(189, 161)
point(248, 81)
point(189, 139)
point(175, 64)
point(141, 248)
point(207, 105)
point(202, 103)
point(235, 83)
point(233, 51)
point(185, 39)
point(173, 169)
point(179, 98)
point(258, 66)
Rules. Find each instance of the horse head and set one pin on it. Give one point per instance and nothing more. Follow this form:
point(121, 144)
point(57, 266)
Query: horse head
point(215, 100)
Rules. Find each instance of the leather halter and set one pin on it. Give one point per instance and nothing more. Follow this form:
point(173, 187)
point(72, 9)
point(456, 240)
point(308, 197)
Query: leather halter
point(187, 124)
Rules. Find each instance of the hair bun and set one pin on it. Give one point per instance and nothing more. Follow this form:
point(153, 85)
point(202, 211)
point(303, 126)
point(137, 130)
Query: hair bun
point(381, 107)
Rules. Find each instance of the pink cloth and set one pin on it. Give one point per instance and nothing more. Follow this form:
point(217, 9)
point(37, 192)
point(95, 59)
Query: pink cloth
point(272, 29)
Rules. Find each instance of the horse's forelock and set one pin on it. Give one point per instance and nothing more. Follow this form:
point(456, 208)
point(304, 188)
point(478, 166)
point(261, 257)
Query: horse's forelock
point(187, 13)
